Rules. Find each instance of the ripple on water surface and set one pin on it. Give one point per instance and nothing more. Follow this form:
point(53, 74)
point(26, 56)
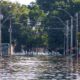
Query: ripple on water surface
point(33, 68)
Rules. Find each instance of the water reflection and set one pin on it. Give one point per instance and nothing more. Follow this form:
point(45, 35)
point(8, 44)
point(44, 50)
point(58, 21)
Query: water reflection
point(35, 68)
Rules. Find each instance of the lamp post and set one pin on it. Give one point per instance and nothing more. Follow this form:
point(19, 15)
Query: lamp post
point(65, 28)
point(66, 33)
point(10, 30)
point(71, 30)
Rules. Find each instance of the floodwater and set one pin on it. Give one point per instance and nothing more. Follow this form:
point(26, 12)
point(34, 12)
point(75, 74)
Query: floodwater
point(37, 68)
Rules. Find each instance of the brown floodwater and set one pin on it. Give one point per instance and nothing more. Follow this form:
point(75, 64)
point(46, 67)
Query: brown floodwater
point(38, 68)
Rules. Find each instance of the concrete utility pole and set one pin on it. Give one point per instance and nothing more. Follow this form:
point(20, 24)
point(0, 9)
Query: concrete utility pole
point(71, 51)
point(67, 37)
point(10, 28)
point(77, 50)
point(77, 32)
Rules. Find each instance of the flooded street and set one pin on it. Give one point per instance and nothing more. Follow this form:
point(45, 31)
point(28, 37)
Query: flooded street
point(36, 68)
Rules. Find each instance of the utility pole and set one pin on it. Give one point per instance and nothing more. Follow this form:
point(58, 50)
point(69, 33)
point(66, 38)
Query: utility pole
point(10, 30)
point(71, 45)
point(67, 47)
point(67, 37)
point(77, 52)
point(77, 32)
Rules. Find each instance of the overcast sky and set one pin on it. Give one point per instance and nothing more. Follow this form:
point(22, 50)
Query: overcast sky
point(26, 2)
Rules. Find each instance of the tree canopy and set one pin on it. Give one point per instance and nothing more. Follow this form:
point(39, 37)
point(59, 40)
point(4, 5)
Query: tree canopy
point(32, 25)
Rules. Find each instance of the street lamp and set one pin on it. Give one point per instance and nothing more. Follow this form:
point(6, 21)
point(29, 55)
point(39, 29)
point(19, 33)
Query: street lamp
point(71, 30)
point(10, 30)
point(65, 34)
point(66, 28)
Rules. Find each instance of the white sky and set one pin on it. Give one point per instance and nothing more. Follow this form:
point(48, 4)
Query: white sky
point(26, 2)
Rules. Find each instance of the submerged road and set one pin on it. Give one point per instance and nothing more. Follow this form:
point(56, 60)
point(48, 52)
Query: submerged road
point(36, 68)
